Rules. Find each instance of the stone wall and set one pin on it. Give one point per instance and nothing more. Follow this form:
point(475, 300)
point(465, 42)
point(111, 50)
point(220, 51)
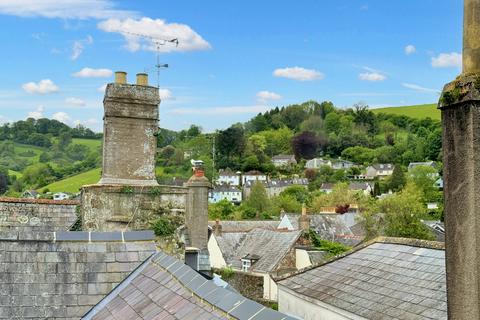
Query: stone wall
point(62, 275)
point(114, 208)
point(42, 215)
point(247, 284)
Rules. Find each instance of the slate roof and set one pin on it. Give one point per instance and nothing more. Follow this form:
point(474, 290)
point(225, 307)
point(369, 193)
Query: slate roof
point(270, 245)
point(326, 226)
point(383, 166)
point(245, 225)
point(380, 281)
point(165, 288)
point(59, 275)
point(36, 215)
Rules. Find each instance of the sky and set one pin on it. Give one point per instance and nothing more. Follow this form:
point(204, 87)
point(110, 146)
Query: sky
point(234, 58)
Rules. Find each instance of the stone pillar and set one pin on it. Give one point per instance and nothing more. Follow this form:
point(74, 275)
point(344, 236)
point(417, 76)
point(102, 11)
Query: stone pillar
point(130, 124)
point(196, 211)
point(460, 106)
point(304, 220)
point(217, 228)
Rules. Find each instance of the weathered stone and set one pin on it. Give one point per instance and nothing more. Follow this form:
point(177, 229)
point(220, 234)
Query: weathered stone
point(471, 37)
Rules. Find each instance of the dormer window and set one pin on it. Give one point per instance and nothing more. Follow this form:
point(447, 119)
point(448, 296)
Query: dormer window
point(248, 261)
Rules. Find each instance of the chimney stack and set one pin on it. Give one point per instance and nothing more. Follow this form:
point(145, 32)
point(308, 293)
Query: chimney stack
point(142, 79)
point(304, 219)
point(121, 77)
point(217, 228)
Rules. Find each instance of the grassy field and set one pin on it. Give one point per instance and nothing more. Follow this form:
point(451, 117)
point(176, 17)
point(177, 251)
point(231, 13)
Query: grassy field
point(15, 173)
point(420, 112)
point(73, 183)
point(92, 144)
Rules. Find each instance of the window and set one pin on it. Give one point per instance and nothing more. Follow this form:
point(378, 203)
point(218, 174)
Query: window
point(246, 264)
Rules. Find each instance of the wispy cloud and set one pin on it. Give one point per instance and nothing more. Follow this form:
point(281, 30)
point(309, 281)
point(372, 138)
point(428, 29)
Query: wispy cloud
point(299, 74)
point(158, 30)
point(372, 76)
point(220, 110)
point(65, 9)
point(79, 46)
point(446, 60)
point(418, 88)
point(37, 114)
point(93, 73)
point(75, 102)
point(410, 49)
point(264, 96)
point(45, 86)
point(62, 117)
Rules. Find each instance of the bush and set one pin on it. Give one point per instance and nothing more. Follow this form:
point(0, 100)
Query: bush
point(226, 273)
point(163, 226)
point(332, 248)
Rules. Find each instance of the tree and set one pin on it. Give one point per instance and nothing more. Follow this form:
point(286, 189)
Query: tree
point(258, 199)
point(424, 178)
point(397, 180)
point(299, 193)
point(230, 144)
point(223, 209)
point(340, 196)
point(305, 145)
point(402, 214)
point(64, 140)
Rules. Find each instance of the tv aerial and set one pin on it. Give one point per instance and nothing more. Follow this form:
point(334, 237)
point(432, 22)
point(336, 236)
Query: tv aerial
point(159, 42)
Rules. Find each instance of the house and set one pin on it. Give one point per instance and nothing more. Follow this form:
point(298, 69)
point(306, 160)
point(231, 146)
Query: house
point(379, 170)
point(252, 176)
point(275, 187)
point(60, 196)
point(412, 165)
point(229, 177)
point(258, 253)
point(365, 187)
point(439, 183)
point(227, 192)
point(388, 278)
point(163, 287)
point(332, 227)
point(30, 194)
point(342, 164)
point(317, 163)
point(284, 160)
point(327, 187)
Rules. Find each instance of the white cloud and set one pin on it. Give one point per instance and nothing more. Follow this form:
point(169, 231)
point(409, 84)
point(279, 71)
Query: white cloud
point(419, 88)
point(88, 122)
point(445, 60)
point(37, 114)
point(410, 49)
point(372, 76)
point(264, 96)
point(299, 73)
point(62, 117)
point(79, 46)
point(93, 73)
point(102, 88)
point(43, 87)
point(75, 101)
point(65, 9)
point(188, 39)
point(220, 110)
point(165, 94)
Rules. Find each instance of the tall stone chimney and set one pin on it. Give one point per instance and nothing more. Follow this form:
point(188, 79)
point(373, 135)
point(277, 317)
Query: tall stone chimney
point(304, 220)
point(217, 228)
point(130, 125)
point(460, 106)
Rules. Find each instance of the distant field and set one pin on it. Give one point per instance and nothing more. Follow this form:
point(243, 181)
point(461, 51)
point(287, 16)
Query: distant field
point(92, 144)
point(420, 112)
point(73, 184)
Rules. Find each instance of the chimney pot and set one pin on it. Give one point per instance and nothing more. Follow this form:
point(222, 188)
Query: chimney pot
point(121, 77)
point(142, 79)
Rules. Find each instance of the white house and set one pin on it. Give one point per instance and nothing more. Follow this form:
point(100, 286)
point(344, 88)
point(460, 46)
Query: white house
point(30, 194)
point(284, 160)
point(317, 163)
point(229, 177)
point(379, 170)
point(342, 164)
point(60, 196)
point(227, 192)
point(259, 252)
point(253, 175)
point(412, 165)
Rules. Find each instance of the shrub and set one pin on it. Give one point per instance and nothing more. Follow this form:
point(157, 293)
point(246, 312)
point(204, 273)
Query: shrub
point(163, 226)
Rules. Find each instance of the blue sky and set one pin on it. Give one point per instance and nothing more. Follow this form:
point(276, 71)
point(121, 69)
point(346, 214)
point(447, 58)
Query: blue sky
point(235, 58)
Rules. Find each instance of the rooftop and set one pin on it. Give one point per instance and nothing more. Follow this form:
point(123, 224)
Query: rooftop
point(384, 279)
point(165, 288)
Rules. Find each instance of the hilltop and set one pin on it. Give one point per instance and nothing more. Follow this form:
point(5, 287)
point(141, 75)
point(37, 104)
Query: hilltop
point(422, 111)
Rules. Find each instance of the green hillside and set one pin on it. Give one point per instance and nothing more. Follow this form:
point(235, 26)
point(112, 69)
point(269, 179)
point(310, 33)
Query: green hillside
point(73, 184)
point(419, 112)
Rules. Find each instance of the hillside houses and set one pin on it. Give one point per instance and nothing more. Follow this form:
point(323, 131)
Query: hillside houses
point(379, 170)
point(252, 176)
point(366, 188)
point(229, 177)
point(276, 186)
point(337, 164)
point(284, 160)
point(225, 192)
